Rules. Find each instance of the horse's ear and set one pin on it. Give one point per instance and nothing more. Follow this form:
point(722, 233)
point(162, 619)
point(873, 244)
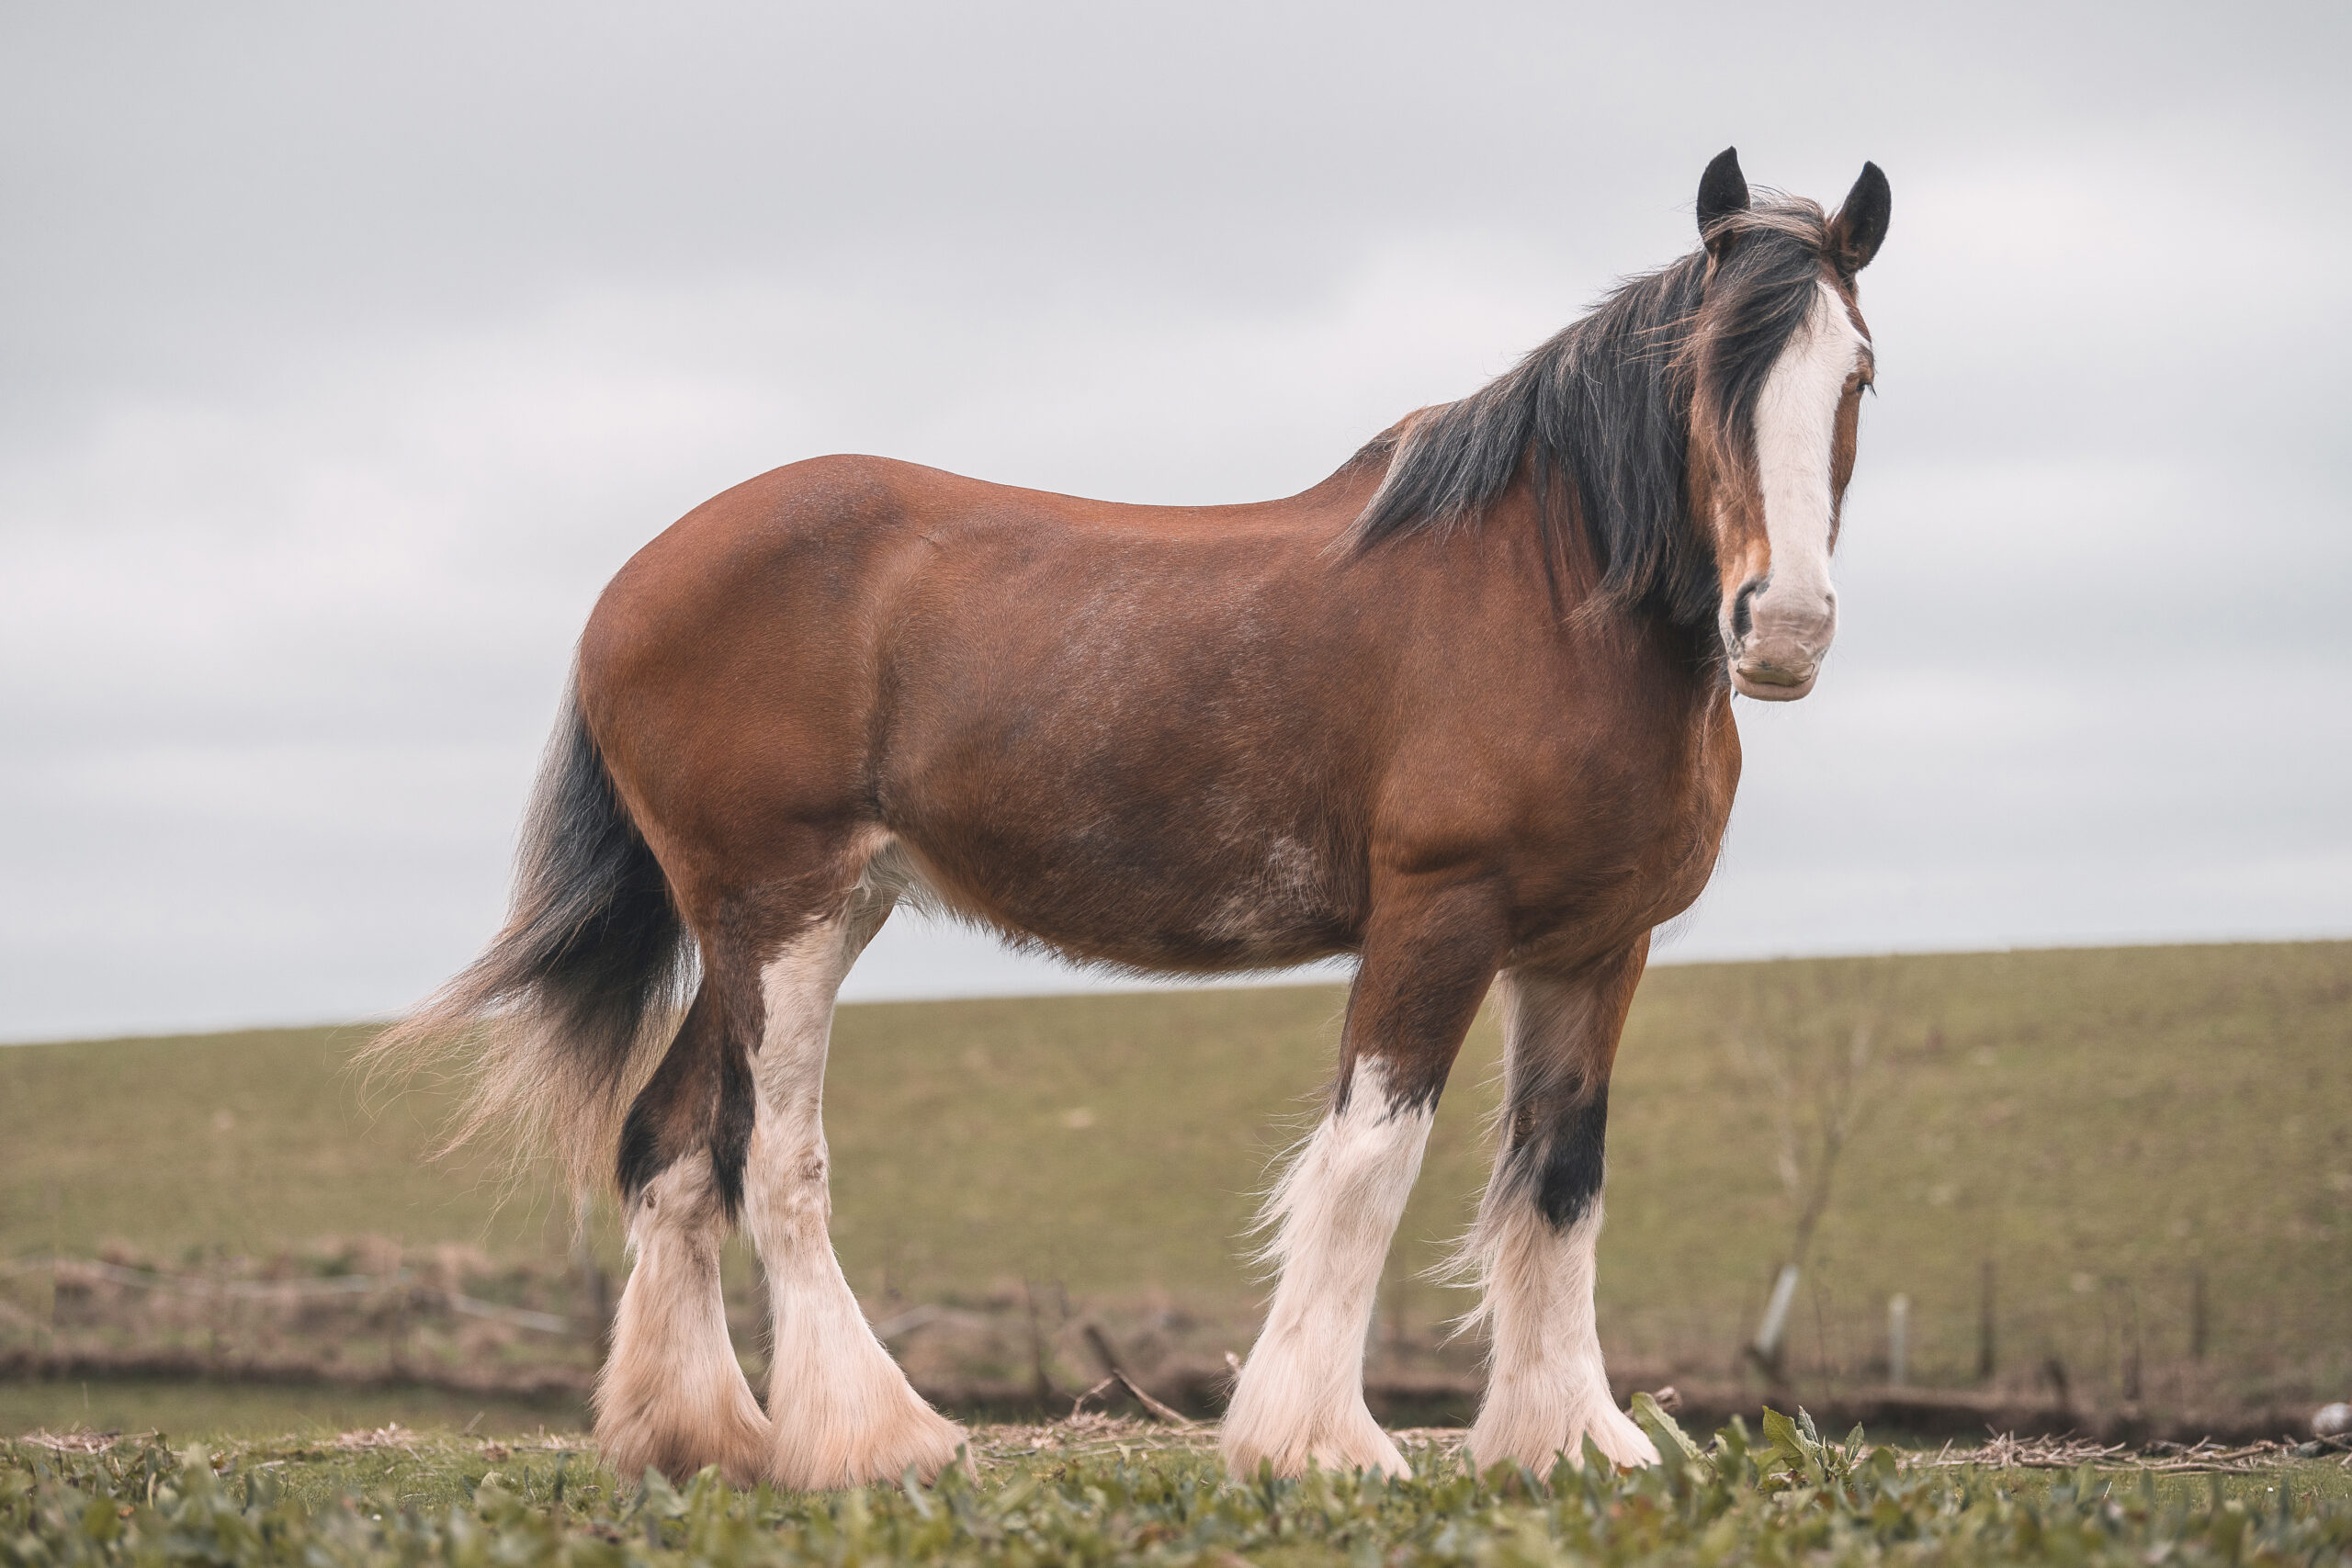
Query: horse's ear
point(1860, 224)
point(1722, 190)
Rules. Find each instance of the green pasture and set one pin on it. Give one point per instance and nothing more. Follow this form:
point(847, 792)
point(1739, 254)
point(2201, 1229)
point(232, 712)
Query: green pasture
point(245, 1413)
point(1114, 1494)
point(2114, 1132)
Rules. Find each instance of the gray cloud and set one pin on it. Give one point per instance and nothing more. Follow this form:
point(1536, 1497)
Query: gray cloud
point(349, 355)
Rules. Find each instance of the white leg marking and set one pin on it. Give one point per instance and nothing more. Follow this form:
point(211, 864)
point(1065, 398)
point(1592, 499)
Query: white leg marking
point(671, 1394)
point(1546, 1391)
point(1300, 1401)
point(844, 1413)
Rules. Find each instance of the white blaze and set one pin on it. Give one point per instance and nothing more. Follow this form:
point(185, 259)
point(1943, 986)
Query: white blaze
point(1796, 421)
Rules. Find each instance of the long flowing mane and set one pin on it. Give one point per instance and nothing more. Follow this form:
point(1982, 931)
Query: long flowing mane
point(1600, 418)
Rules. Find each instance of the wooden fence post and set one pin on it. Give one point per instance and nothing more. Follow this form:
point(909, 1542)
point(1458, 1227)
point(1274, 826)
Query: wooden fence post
point(1765, 1349)
point(1984, 1361)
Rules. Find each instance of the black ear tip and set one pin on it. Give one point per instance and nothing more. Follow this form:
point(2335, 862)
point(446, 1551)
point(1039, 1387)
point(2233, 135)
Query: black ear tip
point(1722, 190)
point(1862, 222)
point(1870, 193)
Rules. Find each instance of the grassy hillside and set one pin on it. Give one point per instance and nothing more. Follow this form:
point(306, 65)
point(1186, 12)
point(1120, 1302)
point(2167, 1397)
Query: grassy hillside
point(2105, 1127)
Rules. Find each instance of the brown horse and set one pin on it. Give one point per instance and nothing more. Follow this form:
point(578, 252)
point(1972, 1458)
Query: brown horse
point(1463, 709)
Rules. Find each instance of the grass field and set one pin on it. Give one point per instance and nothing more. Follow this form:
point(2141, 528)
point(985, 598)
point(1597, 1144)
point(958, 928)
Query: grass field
point(2116, 1132)
point(1111, 1492)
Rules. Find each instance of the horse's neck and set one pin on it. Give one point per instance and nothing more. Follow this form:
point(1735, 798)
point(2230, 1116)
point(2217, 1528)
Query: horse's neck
point(1559, 604)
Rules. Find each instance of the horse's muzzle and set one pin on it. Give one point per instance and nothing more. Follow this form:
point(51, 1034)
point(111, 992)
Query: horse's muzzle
point(1779, 655)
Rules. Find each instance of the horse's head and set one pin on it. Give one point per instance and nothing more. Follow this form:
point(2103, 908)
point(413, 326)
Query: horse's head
point(1777, 359)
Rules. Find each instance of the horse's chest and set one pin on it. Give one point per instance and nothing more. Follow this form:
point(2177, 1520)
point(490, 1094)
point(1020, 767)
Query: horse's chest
point(1614, 854)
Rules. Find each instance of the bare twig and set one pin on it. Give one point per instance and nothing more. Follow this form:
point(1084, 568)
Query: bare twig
point(1101, 1342)
point(1078, 1405)
point(1815, 1056)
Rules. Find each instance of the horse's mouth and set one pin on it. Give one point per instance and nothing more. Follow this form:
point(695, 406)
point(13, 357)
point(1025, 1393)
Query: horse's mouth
point(1770, 682)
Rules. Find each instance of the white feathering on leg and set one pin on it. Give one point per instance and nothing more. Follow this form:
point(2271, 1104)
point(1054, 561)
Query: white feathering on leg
point(1546, 1389)
point(844, 1413)
point(1300, 1400)
point(671, 1394)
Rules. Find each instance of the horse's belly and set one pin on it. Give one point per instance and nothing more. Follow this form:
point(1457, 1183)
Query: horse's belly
point(1169, 900)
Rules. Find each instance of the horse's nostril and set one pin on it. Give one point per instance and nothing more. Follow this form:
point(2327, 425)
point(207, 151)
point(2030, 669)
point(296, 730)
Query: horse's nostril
point(1740, 619)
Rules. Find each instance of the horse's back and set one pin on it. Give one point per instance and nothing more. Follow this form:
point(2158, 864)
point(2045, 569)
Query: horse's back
point(1104, 696)
point(812, 569)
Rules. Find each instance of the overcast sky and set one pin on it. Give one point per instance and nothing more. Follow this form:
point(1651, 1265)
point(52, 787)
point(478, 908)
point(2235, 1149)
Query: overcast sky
point(348, 350)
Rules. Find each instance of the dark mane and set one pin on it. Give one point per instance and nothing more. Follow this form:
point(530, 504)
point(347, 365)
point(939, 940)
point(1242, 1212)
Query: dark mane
point(1599, 417)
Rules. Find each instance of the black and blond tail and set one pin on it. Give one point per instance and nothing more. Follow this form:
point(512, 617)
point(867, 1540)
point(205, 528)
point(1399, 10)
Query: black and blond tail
point(560, 1019)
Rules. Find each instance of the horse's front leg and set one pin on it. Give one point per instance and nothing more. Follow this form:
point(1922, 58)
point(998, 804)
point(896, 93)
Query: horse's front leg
point(1428, 959)
point(1541, 1220)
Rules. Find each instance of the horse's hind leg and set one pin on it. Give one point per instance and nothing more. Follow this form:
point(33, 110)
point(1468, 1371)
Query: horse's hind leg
point(1428, 960)
point(1537, 1230)
point(844, 1414)
point(671, 1394)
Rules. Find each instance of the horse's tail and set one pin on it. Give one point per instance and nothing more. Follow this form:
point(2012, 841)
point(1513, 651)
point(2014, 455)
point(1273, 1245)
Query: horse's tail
point(559, 1018)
